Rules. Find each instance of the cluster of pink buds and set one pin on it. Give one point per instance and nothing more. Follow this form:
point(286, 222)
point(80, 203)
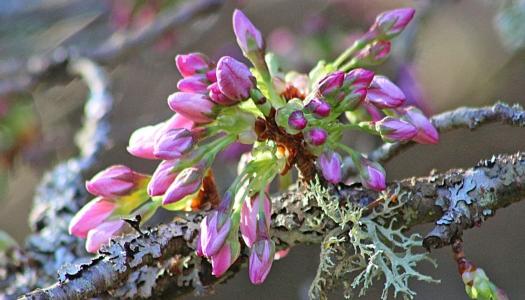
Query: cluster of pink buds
point(119, 192)
point(360, 95)
point(287, 119)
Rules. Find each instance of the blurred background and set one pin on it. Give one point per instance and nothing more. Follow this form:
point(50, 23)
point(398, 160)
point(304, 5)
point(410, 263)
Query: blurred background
point(464, 52)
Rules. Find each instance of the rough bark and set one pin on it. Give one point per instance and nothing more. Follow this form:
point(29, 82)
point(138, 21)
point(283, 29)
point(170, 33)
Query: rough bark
point(455, 200)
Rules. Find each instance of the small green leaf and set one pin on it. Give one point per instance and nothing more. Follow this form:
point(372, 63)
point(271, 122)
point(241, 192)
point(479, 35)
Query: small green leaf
point(272, 61)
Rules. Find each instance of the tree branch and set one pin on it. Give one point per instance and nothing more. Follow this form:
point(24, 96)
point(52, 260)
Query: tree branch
point(61, 192)
point(53, 66)
point(59, 196)
point(463, 117)
point(457, 199)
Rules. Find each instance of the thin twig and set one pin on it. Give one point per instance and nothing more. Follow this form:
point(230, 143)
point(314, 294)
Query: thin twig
point(463, 117)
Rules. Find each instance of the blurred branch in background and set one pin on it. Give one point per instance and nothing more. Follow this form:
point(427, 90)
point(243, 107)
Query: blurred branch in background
point(56, 34)
point(52, 66)
point(60, 195)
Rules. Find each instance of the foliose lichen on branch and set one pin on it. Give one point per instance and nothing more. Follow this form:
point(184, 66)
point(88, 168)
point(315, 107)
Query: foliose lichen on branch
point(366, 246)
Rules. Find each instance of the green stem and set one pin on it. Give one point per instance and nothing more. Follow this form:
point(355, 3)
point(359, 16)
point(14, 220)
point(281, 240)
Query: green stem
point(260, 65)
point(275, 99)
point(354, 154)
point(220, 144)
point(238, 201)
point(258, 99)
point(364, 128)
point(350, 65)
point(356, 46)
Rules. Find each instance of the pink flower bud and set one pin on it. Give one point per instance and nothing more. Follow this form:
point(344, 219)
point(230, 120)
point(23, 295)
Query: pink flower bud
point(392, 129)
point(330, 85)
point(195, 107)
point(372, 175)
point(390, 23)
point(193, 84)
point(211, 75)
point(187, 182)
point(218, 97)
point(316, 136)
point(318, 108)
point(426, 132)
point(408, 82)
point(384, 94)
point(90, 216)
point(102, 234)
point(297, 120)
point(114, 181)
point(375, 114)
point(249, 213)
point(178, 121)
point(234, 79)
point(214, 230)
point(192, 63)
point(142, 141)
point(248, 36)
point(330, 164)
point(352, 100)
point(173, 143)
point(374, 54)
point(162, 178)
point(215, 227)
point(226, 256)
point(261, 259)
point(234, 152)
point(358, 78)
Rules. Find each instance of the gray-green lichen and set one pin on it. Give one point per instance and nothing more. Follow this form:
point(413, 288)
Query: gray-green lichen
point(365, 248)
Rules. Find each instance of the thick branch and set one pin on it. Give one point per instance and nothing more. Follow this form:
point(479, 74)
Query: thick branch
point(463, 117)
point(457, 199)
point(53, 66)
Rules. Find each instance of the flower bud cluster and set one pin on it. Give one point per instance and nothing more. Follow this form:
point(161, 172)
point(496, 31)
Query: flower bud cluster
point(119, 191)
point(373, 48)
point(287, 119)
point(219, 241)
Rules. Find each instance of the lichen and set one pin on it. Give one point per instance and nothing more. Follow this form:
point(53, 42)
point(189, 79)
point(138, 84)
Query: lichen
point(366, 246)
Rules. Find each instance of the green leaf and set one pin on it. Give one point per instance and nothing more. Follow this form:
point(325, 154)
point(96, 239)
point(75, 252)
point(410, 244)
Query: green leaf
point(261, 83)
point(272, 61)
